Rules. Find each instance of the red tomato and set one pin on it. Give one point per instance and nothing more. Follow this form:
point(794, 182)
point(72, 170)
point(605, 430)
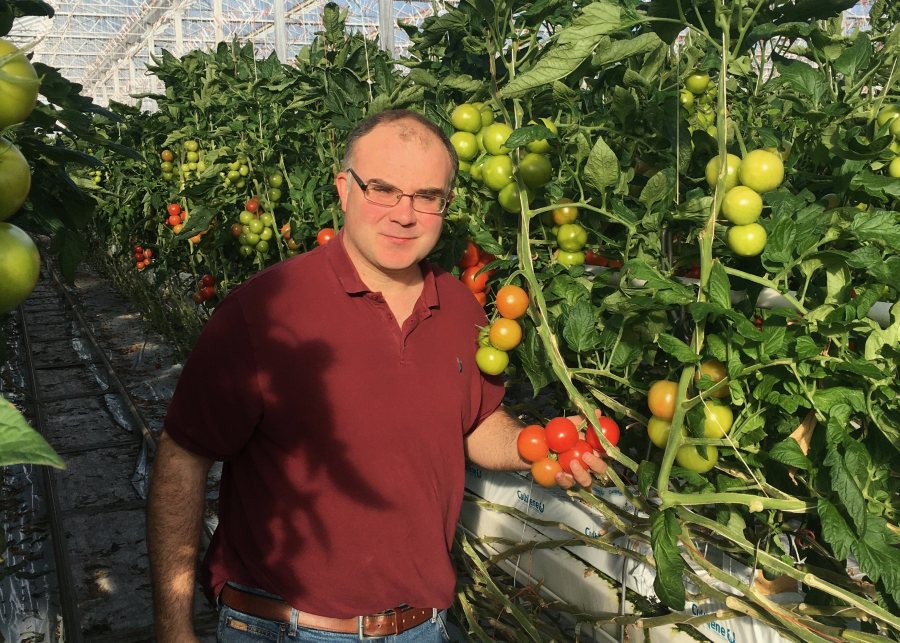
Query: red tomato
point(470, 255)
point(532, 443)
point(148, 253)
point(561, 434)
point(252, 205)
point(511, 301)
point(566, 457)
point(173, 208)
point(473, 280)
point(661, 399)
point(485, 258)
point(208, 292)
point(173, 220)
point(591, 258)
point(207, 280)
point(481, 298)
point(610, 431)
point(325, 235)
point(138, 249)
point(544, 472)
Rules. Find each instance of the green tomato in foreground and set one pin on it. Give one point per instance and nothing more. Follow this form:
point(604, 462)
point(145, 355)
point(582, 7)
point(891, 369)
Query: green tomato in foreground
point(466, 118)
point(732, 164)
point(894, 167)
point(658, 431)
point(571, 237)
point(495, 136)
point(761, 170)
point(569, 259)
point(542, 145)
point(689, 458)
point(491, 360)
point(887, 114)
point(697, 83)
point(535, 170)
point(497, 172)
point(742, 205)
point(746, 240)
point(15, 179)
point(509, 198)
point(895, 128)
point(717, 421)
point(20, 266)
point(465, 144)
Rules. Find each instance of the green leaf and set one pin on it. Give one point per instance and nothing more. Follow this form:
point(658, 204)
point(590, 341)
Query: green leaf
point(719, 286)
point(659, 188)
point(677, 349)
point(602, 168)
point(805, 347)
point(647, 473)
point(669, 582)
point(580, 330)
point(616, 50)
point(781, 242)
point(835, 529)
point(20, 444)
point(804, 79)
point(855, 57)
point(875, 184)
point(527, 134)
point(881, 227)
point(533, 359)
point(828, 398)
point(848, 475)
point(877, 557)
point(788, 452)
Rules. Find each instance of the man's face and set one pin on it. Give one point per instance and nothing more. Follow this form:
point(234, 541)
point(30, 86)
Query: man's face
point(390, 240)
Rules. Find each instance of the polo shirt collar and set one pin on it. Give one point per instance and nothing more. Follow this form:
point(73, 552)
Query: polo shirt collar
point(351, 282)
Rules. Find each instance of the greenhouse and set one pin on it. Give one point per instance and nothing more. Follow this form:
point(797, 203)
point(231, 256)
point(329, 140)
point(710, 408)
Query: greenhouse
point(527, 320)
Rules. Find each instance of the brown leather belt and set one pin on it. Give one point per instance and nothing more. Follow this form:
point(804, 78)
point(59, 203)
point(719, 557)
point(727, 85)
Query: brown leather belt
point(386, 623)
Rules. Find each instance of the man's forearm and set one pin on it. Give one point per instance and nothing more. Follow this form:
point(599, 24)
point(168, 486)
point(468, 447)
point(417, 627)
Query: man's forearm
point(174, 518)
point(492, 444)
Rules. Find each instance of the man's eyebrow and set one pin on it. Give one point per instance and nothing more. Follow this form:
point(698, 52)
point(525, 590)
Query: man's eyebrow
point(428, 191)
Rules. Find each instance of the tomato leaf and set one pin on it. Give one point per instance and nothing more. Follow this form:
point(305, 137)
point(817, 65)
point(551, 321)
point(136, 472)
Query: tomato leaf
point(580, 329)
point(835, 529)
point(602, 168)
point(877, 555)
point(648, 471)
point(719, 286)
point(805, 347)
point(828, 398)
point(527, 134)
point(669, 582)
point(804, 79)
point(788, 452)
point(677, 349)
point(855, 57)
point(20, 444)
point(533, 359)
point(659, 188)
point(881, 227)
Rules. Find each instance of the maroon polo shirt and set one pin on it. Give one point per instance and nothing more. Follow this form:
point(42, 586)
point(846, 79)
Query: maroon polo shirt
point(342, 434)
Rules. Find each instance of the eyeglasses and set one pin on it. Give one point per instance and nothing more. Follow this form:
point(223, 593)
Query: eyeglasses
point(388, 195)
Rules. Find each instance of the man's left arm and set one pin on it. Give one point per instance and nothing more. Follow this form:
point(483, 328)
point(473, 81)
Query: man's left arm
point(492, 445)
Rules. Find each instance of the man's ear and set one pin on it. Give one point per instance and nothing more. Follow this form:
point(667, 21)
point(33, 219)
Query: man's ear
point(343, 188)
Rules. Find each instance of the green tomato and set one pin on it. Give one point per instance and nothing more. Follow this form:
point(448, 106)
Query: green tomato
point(487, 115)
point(570, 259)
point(20, 266)
point(245, 217)
point(887, 114)
point(466, 118)
point(491, 360)
point(535, 170)
point(895, 128)
point(495, 136)
point(465, 144)
point(266, 219)
point(717, 420)
point(742, 205)
point(166, 166)
point(509, 198)
point(465, 166)
point(266, 234)
point(497, 172)
point(477, 167)
point(761, 170)
point(746, 240)
point(262, 247)
point(732, 163)
point(686, 98)
point(658, 430)
point(15, 179)
point(689, 458)
point(19, 86)
point(894, 167)
point(245, 250)
point(697, 82)
point(542, 146)
point(276, 180)
point(571, 237)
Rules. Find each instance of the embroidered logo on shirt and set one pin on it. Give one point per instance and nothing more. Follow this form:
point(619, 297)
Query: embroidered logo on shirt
point(459, 362)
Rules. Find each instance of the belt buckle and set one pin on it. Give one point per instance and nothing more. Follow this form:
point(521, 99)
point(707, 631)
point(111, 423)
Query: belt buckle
point(360, 621)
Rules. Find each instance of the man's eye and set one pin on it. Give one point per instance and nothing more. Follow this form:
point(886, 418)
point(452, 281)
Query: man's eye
point(428, 198)
point(382, 189)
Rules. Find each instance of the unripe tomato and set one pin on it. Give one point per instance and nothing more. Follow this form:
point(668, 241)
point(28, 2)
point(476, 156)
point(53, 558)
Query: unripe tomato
point(508, 198)
point(245, 217)
point(491, 360)
point(895, 128)
point(324, 236)
point(497, 172)
point(19, 86)
point(894, 167)
point(495, 136)
point(718, 419)
point(571, 237)
point(256, 226)
point(689, 458)
point(715, 370)
point(475, 281)
point(178, 228)
point(732, 164)
point(686, 98)
point(661, 399)
point(476, 171)
point(610, 430)
point(575, 453)
point(267, 219)
point(887, 114)
point(697, 82)
point(465, 144)
point(466, 118)
point(20, 266)
point(569, 259)
point(236, 230)
point(15, 178)
point(191, 146)
point(167, 156)
point(532, 443)
point(505, 334)
point(563, 213)
point(562, 434)
point(658, 431)
point(746, 240)
point(487, 115)
point(742, 205)
point(511, 301)
point(542, 145)
point(544, 472)
point(761, 170)
point(275, 181)
point(535, 170)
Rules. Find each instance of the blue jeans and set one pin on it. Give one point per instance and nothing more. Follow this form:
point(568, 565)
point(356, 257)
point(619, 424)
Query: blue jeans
point(238, 627)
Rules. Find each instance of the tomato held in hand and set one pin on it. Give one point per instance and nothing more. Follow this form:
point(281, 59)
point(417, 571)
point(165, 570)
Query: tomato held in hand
point(532, 443)
point(544, 472)
point(575, 453)
point(661, 399)
point(562, 434)
point(610, 431)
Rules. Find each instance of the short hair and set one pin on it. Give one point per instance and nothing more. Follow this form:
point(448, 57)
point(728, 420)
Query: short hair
point(394, 116)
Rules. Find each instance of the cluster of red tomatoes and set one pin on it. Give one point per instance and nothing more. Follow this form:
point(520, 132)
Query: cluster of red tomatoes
point(505, 333)
point(717, 422)
point(745, 180)
point(206, 289)
point(552, 448)
point(143, 257)
point(480, 145)
point(175, 217)
point(473, 275)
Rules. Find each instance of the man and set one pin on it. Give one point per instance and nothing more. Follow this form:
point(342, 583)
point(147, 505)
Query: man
point(341, 391)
